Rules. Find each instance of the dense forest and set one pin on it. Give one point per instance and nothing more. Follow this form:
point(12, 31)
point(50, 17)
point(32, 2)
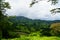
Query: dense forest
point(20, 25)
point(23, 28)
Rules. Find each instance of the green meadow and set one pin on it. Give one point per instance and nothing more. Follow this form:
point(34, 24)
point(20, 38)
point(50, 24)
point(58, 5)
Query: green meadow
point(35, 36)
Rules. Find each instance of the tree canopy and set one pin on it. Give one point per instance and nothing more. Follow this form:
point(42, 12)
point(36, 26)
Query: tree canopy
point(53, 2)
point(3, 17)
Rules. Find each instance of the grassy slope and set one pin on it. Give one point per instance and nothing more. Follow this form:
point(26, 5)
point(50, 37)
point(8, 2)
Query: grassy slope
point(35, 38)
point(23, 37)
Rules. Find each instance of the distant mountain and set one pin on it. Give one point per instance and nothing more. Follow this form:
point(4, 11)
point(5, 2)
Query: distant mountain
point(31, 24)
point(20, 19)
point(25, 19)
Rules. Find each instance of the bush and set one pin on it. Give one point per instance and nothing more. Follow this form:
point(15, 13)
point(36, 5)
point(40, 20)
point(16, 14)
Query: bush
point(13, 34)
point(55, 29)
point(35, 34)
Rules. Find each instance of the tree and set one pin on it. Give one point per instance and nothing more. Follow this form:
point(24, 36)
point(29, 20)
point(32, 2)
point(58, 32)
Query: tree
point(53, 2)
point(55, 29)
point(3, 17)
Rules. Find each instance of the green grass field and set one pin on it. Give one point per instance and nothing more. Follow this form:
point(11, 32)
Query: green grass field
point(35, 36)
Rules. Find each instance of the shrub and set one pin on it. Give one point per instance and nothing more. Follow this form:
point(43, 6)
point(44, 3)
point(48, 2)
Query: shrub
point(13, 34)
point(55, 29)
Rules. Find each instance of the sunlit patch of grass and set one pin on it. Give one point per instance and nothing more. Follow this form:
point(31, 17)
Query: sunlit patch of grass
point(35, 36)
point(50, 38)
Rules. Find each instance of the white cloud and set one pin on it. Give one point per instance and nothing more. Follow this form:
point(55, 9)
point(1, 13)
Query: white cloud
point(40, 10)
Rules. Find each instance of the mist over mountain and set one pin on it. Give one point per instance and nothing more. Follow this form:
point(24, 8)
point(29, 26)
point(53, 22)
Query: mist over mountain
point(25, 19)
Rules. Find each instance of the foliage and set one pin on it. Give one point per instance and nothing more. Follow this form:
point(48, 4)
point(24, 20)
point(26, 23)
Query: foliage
point(4, 23)
point(18, 26)
point(23, 37)
point(27, 26)
point(13, 34)
point(36, 1)
point(23, 28)
point(55, 29)
point(14, 26)
point(54, 2)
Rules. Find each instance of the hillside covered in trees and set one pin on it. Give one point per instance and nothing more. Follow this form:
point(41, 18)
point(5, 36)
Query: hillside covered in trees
point(19, 25)
point(23, 28)
point(26, 25)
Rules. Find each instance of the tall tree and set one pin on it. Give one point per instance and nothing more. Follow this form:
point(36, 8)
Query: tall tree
point(3, 16)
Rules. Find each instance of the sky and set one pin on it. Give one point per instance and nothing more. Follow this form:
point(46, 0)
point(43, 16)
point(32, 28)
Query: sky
point(40, 10)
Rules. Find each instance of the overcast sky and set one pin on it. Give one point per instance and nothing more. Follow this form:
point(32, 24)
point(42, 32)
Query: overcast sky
point(39, 10)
